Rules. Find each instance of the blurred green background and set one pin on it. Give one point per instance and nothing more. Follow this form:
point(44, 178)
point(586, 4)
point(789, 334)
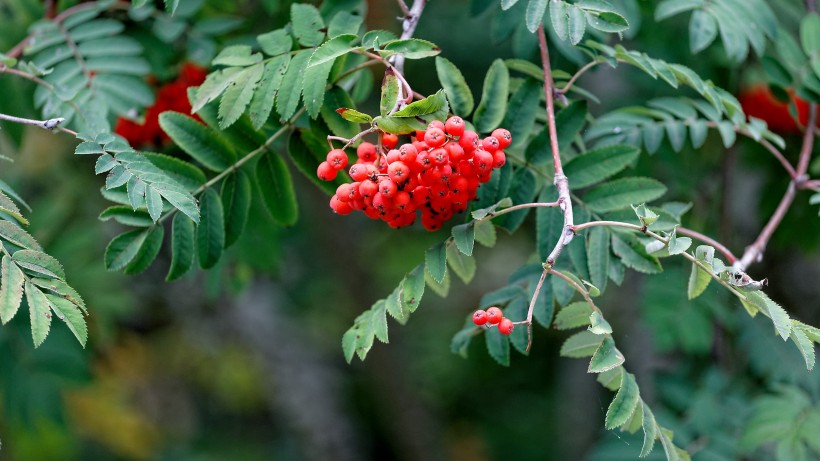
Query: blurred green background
point(244, 362)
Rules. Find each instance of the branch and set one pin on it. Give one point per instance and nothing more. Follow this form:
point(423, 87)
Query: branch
point(754, 252)
point(408, 26)
point(560, 180)
point(581, 71)
point(50, 124)
point(709, 241)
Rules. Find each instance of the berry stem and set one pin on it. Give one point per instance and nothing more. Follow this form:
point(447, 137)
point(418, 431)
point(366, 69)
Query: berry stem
point(349, 142)
point(560, 180)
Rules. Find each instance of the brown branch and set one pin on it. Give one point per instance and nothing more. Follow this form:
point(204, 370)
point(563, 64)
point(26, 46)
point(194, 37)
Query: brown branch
point(560, 180)
point(709, 241)
point(754, 252)
point(813, 184)
point(408, 26)
point(581, 71)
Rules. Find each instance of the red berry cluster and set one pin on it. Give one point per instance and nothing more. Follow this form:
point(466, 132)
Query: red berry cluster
point(170, 96)
point(438, 174)
point(493, 316)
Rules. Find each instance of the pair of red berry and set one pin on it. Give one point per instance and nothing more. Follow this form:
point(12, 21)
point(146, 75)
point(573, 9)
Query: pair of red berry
point(493, 316)
point(437, 174)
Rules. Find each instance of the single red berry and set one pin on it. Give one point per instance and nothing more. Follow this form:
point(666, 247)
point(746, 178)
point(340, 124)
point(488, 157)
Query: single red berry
point(506, 326)
point(398, 172)
point(480, 317)
point(340, 207)
point(483, 161)
point(454, 126)
point(490, 144)
point(503, 136)
point(358, 172)
point(499, 159)
point(408, 153)
point(337, 159)
point(454, 151)
point(387, 187)
point(368, 189)
point(469, 141)
point(494, 315)
point(326, 172)
point(390, 140)
point(402, 201)
point(366, 151)
point(435, 137)
point(392, 156)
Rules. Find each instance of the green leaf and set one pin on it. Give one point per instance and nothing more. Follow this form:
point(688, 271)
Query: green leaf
point(214, 85)
point(625, 402)
point(198, 141)
point(805, 346)
point(777, 314)
point(435, 259)
point(678, 245)
point(669, 8)
point(485, 233)
point(287, 97)
point(698, 281)
point(573, 315)
point(182, 247)
point(424, 106)
point(621, 193)
point(464, 237)
point(378, 320)
point(455, 86)
point(124, 248)
point(703, 29)
point(634, 256)
point(237, 55)
point(210, 233)
point(276, 42)
point(498, 346)
point(238, 95)
point(11, 289)
point(810, 33)
point(507, 4)
point(611, 379)
point(354, 116)
point(464, 266)
point(411, 48)
point(650, 430)
point(559, 16)
point(390, 92)
point(484, 212)
point(517, 311)
point(598, 255)
point(236, 203)
point(440, 288)
point(606, 357)
point(307, 24)
point(39, 313)
point(186, 174)
point(522, 191)
point(332, 49)
point(535, 13)
point(315, 82)
point(599, 325)
point(608, 21)
point(490, 111)
point(599, 164)
point(39, 263)
point(276, 185)
point(69, 313)
point(577, 24)
point(521, 111)
point(16, 235)
point(412, 288)
point(581, 344)
point(646, 216)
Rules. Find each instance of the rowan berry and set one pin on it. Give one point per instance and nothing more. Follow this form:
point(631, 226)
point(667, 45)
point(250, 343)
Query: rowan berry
point(499, 159)
point(454, 126)
point(398, 172)
point(358, 172)
point(366, 152)
point(494, 315)
point(480, 317)
point(390, 140)
point(368, 189)
point(340, 207)
point(469, 141)
point(503, 136)
point(387, 187)
point(435, 137)
point(490, 144)
point(337, 159)
point(506, 326)
point(326, 172)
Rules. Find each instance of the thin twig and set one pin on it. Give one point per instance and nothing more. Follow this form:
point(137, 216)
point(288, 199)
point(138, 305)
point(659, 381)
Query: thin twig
point(581, 71)
point(754, 252)
point(560, 180)
point(813, 184)
point(49, 124)
point(404, 9)
point(521, 206)
point(709, 241)
point(349, 142)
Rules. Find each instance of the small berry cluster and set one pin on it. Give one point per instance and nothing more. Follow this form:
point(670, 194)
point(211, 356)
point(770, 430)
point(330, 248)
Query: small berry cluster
point(438, 174)
point(493, 316)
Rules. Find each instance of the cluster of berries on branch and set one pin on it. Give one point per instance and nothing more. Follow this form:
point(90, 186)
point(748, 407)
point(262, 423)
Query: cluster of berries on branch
point(493, 317)
point(437, 174)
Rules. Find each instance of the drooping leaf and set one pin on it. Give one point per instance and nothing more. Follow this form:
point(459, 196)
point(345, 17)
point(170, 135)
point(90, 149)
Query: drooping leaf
point(436, 261)
point(625, 402)
point(598, 256)
point(498, 346)
point(238, 95)
point(11, 289)
point(634, 256)
point(236, 201)
point(307, 24)
point(290, 91)
point(265, 95)
point(210, 233)
point(464, 237)
point(455, 86)
point(39, 263)
point(124, 248)
point(182, 247)
point(573, 315)
point(69, 313)
point(598, 324)
point(412, 288)
point(698, 281)
point(490, 111)
point(650, 430)
point(276, 184)
point(462, 265)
